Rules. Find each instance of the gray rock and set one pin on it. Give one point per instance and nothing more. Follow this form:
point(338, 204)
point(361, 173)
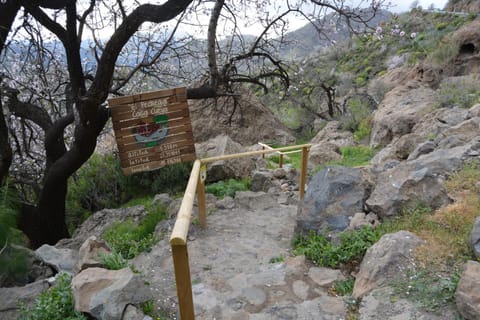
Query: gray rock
point(325, 277)
point(279, 173)
point(254, 200)
point(475, 238)
point(387, 260)
point(333, 195)
point(225, 203)
point(360, 220)
point(474, 111)
point(10, 298)
point(162, 199)
point(333, 134)
point(133, 313)
point(467, 295)
point(104, 294)
point(59, 259)
point(300, 289)
point(406, 144)
point(322, 153)
point(421, 149)
point(397, 61)
point(90, 254)
point(419, 180)
point(262, 181)
point(401, 109)
point(254, 296)
point(224, 169)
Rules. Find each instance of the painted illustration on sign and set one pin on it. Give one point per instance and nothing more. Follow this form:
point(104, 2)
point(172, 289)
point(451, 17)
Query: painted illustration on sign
point(153, 133)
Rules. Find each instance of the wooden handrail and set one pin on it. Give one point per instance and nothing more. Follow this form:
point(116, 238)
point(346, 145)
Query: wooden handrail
point(178, 238)
point(253, 153)
point(182, 223)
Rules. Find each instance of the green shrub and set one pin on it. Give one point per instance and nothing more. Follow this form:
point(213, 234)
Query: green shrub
point(54, 304)
point(322, 252)
point(222, 189)
point(13, 262)
point(353, 156)
point(128, 239)
point(100, 184)
point(114, 261)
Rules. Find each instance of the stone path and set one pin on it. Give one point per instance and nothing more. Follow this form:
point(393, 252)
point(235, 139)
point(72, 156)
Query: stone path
point(242, 267)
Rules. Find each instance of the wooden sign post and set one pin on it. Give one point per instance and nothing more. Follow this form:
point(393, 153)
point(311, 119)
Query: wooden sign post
point(152, 130)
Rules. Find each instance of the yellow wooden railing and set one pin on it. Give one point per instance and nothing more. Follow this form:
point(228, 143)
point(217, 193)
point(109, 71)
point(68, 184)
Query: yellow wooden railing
point(178, 238)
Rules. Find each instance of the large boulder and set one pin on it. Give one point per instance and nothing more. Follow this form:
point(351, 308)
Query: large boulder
point(224, 169)
point(58, 258)
point(387, 260)
point(419, 180)
point(399, 112)
point(467, 295)
point(246, 120)
point(333, 134)
point(333, 196)
point(104, 294)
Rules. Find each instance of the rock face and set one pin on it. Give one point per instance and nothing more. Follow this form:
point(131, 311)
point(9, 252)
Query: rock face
point(224, 169)
point(333, 195)
point(467, 295)
point(104, 294)
point(247, 122)
point(419, 180)
point(385, 261)
point(399, 112)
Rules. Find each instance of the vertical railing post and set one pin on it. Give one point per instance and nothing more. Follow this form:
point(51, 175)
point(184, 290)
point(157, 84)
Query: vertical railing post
point(263, 154)
point(182, 279)
point(303, 173)
point(280, 161)
point(202, 215)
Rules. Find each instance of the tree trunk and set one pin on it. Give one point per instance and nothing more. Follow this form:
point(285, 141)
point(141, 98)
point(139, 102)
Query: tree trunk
point(8, 11)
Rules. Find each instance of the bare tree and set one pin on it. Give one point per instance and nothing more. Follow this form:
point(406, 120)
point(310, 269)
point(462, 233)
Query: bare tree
point(58, 112)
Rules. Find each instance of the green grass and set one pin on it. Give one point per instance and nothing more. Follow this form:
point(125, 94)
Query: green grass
point(222, 189)
point(128, 239)
point(343, 287)
point(428, 289)
point(54, 304)
point(352, 247)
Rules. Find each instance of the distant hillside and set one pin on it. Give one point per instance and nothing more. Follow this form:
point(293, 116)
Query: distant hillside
point(302, 42)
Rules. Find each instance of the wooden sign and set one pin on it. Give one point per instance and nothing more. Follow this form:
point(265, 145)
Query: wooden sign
point(152, 129)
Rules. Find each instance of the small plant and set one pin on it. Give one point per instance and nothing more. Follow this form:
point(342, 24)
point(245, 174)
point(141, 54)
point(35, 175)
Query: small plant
point(54, 304)
point(277, 259)
point(322, 252)
point(114, 261)
point(148, 308)
point(228, 188)
point(343, 287)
